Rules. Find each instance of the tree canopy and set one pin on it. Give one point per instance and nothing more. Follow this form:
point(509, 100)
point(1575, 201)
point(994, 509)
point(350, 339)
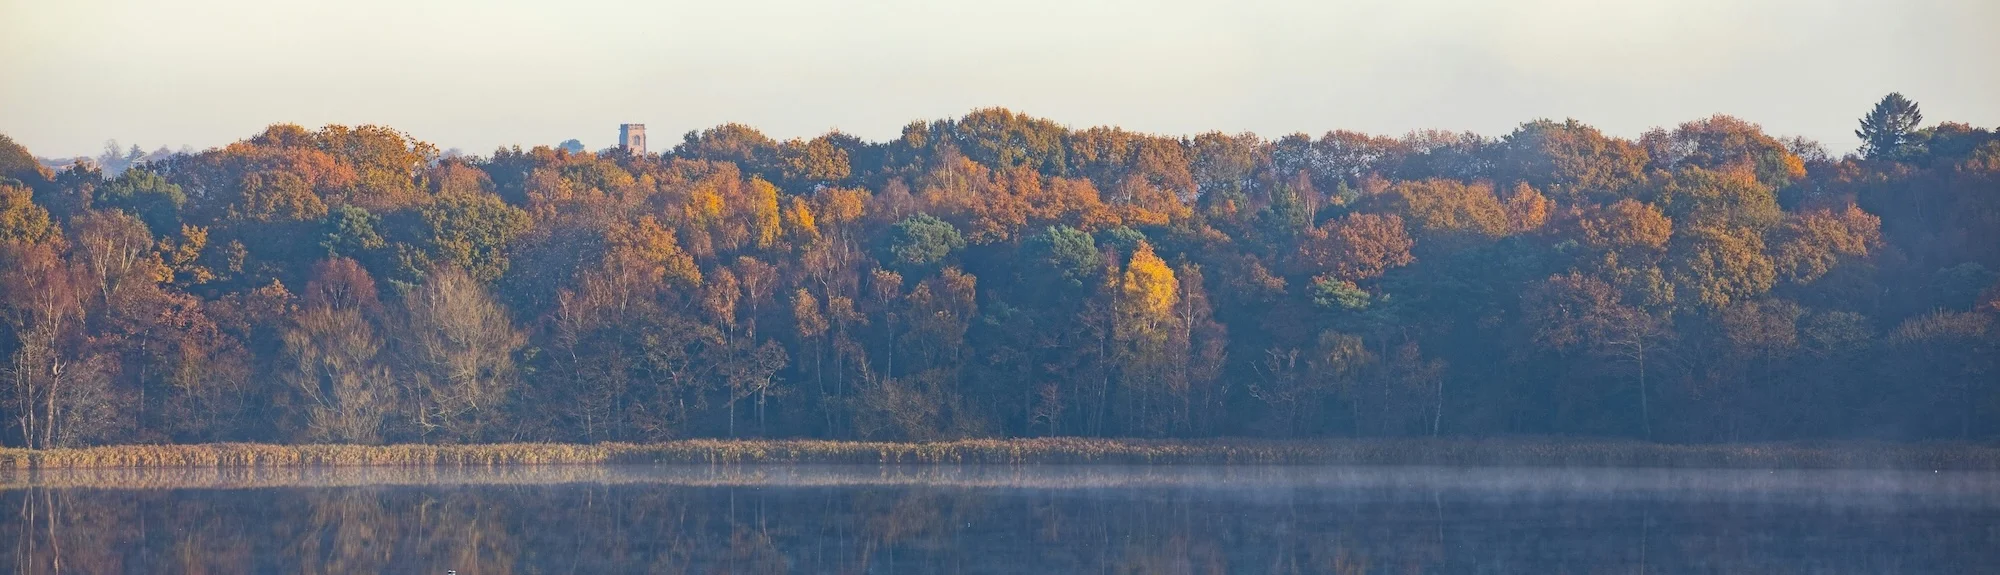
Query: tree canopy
point(1005, 275)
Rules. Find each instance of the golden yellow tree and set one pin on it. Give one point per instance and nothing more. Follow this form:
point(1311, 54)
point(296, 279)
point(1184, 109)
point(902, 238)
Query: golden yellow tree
point(1143, 329)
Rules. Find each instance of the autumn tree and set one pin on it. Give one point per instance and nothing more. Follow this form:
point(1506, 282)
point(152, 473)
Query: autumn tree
point(458, 344)
point(1724, 143)
point(471, 232)
point(1575, 311)
point(742, 145)
point(1357, 247)
point(1955, 352)
point(342, 387)
point(21, 220)
point(1570, 160)
point(193, 374)
point(1448, 213)
point(921, 399)
point(20, 166)
point(1714, 266)
point(1810, 244)
point(117, 256)
point(57, 384)
point(1149, 354)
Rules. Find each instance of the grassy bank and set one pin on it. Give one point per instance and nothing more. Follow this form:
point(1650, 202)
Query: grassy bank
point(1020, 451)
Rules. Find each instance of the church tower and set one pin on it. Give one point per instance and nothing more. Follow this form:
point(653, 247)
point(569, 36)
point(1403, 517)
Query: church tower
point(632, 138)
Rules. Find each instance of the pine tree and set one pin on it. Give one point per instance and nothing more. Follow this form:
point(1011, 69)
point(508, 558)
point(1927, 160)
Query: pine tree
point(1886, 128)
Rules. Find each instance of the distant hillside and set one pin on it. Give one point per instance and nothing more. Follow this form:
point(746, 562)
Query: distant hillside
point(60, 164)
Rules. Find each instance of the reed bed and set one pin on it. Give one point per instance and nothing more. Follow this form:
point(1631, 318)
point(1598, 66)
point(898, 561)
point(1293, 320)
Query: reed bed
point(1441, 452)
point(1838, 484)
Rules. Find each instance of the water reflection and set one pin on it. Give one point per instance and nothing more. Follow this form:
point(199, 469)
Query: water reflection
point(1035, 519)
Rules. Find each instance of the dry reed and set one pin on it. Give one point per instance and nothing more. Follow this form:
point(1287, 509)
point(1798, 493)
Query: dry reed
point(1493, 452)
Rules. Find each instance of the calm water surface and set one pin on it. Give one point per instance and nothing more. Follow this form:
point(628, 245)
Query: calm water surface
point(1032, 519)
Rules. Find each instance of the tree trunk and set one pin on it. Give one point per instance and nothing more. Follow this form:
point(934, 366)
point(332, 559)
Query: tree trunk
point(49, 422)
point(1645, 414)
point(1103, 385)
point(889, 358)
point(1965, 414)
point(1355, 404)
point(1437, 417)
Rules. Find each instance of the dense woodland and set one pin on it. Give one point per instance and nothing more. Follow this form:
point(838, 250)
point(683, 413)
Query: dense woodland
point(999, 275)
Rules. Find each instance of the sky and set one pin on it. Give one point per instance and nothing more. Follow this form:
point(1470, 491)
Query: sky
point(478, 74)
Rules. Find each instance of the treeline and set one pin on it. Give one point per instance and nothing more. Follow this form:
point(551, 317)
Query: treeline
point(999, 275)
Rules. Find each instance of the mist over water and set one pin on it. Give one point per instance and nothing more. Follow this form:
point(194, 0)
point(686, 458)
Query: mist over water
point(999, 519)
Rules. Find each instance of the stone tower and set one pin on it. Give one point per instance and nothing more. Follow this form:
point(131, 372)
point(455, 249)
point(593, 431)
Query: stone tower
point(632, 138)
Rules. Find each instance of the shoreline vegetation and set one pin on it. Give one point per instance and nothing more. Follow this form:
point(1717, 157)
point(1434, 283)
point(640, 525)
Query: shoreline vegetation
point(1412, 452)
point(1969, 488)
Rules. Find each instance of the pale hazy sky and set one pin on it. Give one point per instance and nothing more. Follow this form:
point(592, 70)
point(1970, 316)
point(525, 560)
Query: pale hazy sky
point(479, 74)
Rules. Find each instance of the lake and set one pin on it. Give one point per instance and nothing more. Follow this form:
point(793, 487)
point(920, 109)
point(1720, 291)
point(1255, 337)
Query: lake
point(997, 519)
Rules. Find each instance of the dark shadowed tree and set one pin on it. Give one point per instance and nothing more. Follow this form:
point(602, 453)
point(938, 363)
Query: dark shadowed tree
point(1887, 127)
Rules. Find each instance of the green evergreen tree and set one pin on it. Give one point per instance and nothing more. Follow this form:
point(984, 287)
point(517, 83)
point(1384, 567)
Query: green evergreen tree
point(1886, 129)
